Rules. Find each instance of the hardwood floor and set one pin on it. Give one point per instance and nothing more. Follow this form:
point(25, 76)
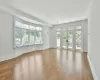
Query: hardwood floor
point(51, 64)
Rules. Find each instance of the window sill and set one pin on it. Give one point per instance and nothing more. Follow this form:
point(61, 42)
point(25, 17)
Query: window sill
point(28, 45)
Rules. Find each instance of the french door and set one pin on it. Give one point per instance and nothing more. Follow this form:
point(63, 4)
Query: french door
point(67, 40)
point(70, 38)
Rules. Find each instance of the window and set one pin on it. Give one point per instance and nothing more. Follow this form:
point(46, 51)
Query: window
point(78, 28)
point(17, 37)
point(26, 33)
point(58, 29)
point(38, 35)
point(25, 37)
point(18, 24)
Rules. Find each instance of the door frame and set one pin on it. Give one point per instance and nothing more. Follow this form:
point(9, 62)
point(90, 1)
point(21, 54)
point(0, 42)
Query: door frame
point(74, 37)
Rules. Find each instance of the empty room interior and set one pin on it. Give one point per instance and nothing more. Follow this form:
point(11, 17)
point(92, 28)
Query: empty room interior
point(49, 40)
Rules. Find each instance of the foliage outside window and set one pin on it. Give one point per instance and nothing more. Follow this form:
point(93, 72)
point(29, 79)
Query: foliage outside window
point(26, 34)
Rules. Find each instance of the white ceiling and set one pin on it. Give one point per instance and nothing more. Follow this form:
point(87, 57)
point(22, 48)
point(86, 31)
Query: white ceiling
point(53, 11)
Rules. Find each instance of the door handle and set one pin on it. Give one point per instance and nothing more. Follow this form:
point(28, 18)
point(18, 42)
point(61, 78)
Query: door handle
point(66, 40)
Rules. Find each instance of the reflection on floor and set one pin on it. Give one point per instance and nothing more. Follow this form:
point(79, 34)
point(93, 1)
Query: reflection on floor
point(51, 64)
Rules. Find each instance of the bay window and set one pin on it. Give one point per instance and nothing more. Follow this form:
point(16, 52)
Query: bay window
point(25, 33)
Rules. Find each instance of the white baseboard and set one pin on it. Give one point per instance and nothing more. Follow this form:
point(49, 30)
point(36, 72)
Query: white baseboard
point(3, 58)
point(92, 69)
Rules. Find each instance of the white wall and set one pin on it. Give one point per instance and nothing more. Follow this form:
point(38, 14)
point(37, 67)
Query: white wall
point(52, 37)
point(6, 47)
point(6, 38)
point(85, 36)
point(83, 23)
point(46, 39)
point(94, 36)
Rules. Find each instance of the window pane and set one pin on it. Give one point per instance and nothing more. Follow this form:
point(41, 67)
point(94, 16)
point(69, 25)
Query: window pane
point(32, 27)
point(38, 28)
point(78, 39)
point(17, 37)
point(18, 24)
point(70, 39)
point(64, 39)
point(25, 26)
point(78, 27)
point(58, 39)
point(32, 37)
point(70, 29)
point(25, 37)
point(41, 28)
point(58, 29)
point(38, 37)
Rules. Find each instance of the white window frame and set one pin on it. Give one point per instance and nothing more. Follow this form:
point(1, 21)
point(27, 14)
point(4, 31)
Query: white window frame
point(29, 30)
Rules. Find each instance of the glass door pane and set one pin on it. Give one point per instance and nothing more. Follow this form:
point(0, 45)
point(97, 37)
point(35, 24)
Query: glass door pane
point(64, 39)
point(78, 39)
point(70, 38)
point(58, 39)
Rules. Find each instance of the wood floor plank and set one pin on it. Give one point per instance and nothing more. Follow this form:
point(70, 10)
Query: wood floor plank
point(51, 64)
